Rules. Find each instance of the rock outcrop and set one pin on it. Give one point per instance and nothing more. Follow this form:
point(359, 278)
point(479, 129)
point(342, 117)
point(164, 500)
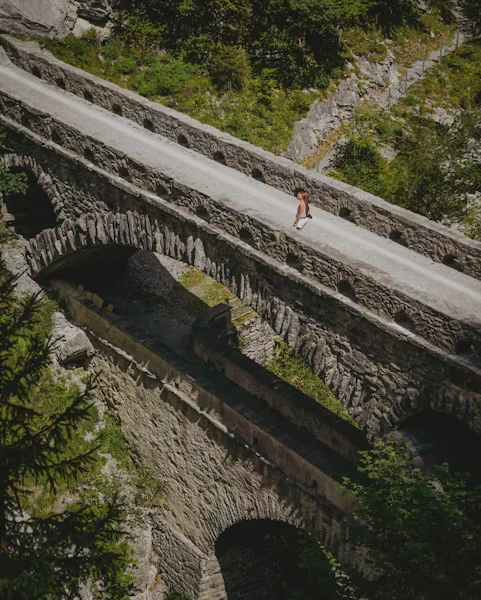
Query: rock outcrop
point(72, 344)
point(38, 18)
point(53, 18)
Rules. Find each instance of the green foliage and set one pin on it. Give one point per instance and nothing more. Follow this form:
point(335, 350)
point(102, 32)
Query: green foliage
point(164, 79)
point(315, 570)
point(472, 9)
point(293, 369)
point(112, 441)
point(177, 596)
point(433, 171)
point(10, 183)
point(423, 530)
point(49, 558)
point(44, 451)
point(229, 68)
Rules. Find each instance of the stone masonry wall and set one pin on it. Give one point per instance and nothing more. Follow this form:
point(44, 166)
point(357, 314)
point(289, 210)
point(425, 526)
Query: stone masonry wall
point(371, 292)
point(421, 235)
point(211, 344)
point(257, 339)
point(381, 373)
point(197, 439)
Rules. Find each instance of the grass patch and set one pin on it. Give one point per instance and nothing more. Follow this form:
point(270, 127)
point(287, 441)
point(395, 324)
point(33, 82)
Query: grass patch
point(411, 42)
point(455, 83)
point(111, 440)
point(367, 42)
point(191, 278)
point(293, 369)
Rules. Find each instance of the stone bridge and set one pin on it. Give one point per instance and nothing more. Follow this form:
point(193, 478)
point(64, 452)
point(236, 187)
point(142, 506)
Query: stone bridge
point(384, 305)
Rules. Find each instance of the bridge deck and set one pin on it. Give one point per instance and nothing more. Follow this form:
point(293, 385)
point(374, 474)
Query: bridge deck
point(443, 289)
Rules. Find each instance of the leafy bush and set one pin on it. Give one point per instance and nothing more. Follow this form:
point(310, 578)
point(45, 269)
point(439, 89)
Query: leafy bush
point(229, 67)
point(422, 531)
point(165, 79)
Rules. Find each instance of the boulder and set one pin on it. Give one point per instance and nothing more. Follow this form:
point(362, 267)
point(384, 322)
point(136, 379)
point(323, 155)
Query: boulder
point(82, 26)
point(38, 18)
point(94, 10)
point(72, 343)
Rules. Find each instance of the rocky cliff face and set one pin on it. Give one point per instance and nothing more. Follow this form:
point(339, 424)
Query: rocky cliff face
point(52, 18)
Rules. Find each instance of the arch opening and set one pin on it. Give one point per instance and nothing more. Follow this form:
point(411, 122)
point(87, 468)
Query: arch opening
point(25, 121)
point(117, 109)
point(346, 214)
point(404, 320)
point(453, 262)
point(294, 261)
point(125, 174)
point(183, 141)
point(147, 123)
point(203, 213)
point(56, 137)
point(28, 214)
point(220, 158)
point(398, 237)
point(89, 154)
point(258, 175)
point(60, 83)
point(347, 289)
point(36, 72)
point(88, 96)
point(434, 438)
point(246, 236)
point(261, 560)
point(466, 349)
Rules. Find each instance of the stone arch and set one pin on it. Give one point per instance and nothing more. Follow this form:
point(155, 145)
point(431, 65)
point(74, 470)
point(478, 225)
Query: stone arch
point(44, 180)
point(434, 438)
point(252, 560)
point(229, 265)
point(33, 214)
point(448, 400)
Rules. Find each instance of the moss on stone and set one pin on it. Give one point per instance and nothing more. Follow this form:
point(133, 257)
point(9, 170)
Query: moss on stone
point(293, 369)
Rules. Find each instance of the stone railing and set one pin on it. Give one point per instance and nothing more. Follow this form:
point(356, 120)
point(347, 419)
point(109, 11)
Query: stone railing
point(218, 404)
point(418, 233)
point(212, 330)
point(373, 293)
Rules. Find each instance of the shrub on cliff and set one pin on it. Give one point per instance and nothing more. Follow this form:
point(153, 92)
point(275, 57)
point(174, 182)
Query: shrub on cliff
point(422, 531)
point(229, 67)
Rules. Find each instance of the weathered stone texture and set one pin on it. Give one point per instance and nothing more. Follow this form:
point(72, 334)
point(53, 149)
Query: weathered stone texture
point(94, 189)
point(212, 478)
point(421, 235)
point(380, 375)
point(258, 340)
point(38, 18)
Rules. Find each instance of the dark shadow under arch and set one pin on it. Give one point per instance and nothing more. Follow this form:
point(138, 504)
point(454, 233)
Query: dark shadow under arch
point(260, 560)
point(28, 214)
point(435, 438)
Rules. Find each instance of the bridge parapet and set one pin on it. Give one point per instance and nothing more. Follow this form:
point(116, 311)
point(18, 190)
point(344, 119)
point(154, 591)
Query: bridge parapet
point(421, 235)
point(301, 457)
point(212, 331)
point(346, 276)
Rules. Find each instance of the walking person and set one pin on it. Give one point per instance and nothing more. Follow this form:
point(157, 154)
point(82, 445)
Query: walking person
point(303, 213)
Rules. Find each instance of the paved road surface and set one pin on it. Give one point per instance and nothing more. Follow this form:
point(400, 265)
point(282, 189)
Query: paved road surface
point(431, 283)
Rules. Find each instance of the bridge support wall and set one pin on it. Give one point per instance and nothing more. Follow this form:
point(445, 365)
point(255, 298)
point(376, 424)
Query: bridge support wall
point(381, 372)
point(199, 444)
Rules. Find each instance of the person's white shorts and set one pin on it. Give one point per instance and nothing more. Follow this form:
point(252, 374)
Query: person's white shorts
point(301, 222)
